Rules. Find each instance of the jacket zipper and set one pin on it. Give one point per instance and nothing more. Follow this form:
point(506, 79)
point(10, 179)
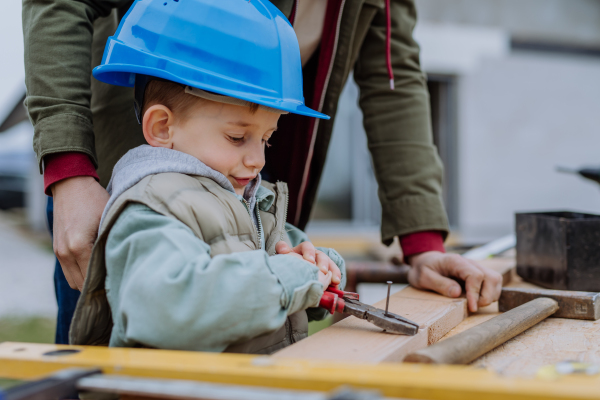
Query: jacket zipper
point(316, 125)
point(288, 324)
point(259, 222)
point(285, 213)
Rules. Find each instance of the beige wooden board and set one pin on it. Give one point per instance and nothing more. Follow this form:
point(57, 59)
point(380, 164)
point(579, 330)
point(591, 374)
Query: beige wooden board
point(359, 341)
point(354, 340)
point(549, 342)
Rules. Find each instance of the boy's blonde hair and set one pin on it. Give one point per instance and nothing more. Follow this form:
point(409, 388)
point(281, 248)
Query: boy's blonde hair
point(173, 96)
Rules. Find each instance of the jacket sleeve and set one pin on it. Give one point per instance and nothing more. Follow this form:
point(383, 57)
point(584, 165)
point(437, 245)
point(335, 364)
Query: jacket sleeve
point(397, 122)
point(161, 279)
point(296, 237)
point(58, 46)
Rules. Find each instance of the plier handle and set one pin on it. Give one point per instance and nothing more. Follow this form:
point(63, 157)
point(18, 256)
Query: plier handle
point(334, 300)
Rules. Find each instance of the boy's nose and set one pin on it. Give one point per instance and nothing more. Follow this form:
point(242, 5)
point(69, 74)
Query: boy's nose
point(255, 158)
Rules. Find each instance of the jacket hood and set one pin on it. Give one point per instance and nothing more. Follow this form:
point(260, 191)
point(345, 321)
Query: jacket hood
point(146, 160)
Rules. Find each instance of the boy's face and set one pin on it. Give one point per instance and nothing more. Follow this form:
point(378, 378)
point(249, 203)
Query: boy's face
point(227, 138)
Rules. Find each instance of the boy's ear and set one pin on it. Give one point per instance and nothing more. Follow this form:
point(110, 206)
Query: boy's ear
point(158, 126)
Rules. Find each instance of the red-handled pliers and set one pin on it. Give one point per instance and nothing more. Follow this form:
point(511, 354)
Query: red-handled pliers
point(334, 300)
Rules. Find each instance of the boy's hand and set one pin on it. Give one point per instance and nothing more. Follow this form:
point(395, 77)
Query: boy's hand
point(325, 279)
point(78, 206)
point(432, 269)
point(307, 252)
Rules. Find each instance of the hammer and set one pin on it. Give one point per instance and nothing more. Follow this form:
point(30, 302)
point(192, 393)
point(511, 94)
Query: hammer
point(524, 308)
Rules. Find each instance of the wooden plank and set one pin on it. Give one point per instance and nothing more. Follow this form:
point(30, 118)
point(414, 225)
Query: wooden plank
point(355, 340)
point(359, 341)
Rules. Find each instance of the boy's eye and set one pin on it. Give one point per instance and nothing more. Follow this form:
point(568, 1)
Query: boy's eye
point(235, 139)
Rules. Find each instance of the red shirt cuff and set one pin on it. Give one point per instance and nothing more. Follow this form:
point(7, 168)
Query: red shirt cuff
point(420, 242)
point(61, 166)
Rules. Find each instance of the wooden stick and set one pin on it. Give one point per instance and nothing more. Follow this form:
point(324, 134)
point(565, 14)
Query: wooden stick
point(473, 343)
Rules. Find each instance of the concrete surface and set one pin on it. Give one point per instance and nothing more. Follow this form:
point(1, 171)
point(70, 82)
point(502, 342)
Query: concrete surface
point(26, 273)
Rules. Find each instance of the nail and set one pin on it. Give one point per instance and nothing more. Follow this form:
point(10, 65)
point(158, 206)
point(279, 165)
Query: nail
point(387, 301)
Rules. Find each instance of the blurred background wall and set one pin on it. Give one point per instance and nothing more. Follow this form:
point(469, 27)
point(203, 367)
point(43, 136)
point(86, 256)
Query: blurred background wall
point(515, 92)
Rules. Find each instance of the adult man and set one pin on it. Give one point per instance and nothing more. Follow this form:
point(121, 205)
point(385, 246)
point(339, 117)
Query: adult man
point(64, 39)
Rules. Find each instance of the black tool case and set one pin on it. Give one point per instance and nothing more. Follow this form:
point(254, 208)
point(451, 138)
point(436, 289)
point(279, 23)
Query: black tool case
point(559, 250)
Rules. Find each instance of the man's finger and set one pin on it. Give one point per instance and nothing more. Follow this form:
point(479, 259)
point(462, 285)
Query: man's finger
point(78, 278)
point(79, 273)
point(68, 264)
point(491, 287)
point(427, 278)
point(463, 269)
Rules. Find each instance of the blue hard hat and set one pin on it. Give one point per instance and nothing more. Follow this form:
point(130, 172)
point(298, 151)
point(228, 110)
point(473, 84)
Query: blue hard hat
point(238, 48)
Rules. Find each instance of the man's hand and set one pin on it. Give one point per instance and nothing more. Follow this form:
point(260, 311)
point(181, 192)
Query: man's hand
point(307, 251)
point(78, 206)
point(432, 269)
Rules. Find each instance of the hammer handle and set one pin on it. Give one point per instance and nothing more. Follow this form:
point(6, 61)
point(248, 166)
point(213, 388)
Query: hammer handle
point(466, 346)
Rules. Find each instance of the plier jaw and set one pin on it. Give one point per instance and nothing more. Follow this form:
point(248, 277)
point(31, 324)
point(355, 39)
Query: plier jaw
point(347, 302)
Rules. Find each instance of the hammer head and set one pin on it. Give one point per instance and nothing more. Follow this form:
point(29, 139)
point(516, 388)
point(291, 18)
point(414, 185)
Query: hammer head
point(574, 305)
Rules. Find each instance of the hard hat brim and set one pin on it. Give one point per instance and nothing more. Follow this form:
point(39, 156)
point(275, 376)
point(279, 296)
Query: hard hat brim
point(124, 75)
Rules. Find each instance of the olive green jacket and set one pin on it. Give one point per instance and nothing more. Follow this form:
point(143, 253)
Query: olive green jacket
point(71, 111)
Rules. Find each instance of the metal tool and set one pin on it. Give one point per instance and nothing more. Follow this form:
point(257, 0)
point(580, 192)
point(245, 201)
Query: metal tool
point(61, 385)
point(347, 302)
point(387, 299)
point(590, 173)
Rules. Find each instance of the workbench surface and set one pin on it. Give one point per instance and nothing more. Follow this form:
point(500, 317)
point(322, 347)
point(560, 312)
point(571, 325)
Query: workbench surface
point(549, 342)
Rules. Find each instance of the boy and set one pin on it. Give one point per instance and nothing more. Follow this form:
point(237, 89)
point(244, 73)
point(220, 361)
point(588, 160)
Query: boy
point(187, 256)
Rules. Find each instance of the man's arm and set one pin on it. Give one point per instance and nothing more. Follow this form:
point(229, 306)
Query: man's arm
point(58, 46)
point(397, 122)
point(161, 279)
point(407, 166)
point(58, 40)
